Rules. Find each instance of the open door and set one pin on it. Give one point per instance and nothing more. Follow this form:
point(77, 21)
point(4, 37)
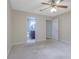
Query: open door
point(55, 29)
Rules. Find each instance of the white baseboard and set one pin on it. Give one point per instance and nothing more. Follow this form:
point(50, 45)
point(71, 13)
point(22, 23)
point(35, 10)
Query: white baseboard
point(19, 43)
point(40, 40)
point(68, 42)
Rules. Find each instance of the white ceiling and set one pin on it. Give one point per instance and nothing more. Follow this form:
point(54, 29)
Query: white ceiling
point(34, 6)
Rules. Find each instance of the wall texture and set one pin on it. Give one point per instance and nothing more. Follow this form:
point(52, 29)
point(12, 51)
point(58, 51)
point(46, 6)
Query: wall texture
point(9, 30)
point(65, 27)
point(19, 27)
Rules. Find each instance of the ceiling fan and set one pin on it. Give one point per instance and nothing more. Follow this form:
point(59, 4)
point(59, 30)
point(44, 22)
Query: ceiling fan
point(53, 4)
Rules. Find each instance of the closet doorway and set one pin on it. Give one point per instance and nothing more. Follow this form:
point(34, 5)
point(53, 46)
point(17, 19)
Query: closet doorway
point(52, 29)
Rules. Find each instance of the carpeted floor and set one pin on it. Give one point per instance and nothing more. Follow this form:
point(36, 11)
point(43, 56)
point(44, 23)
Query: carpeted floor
point(42, 50)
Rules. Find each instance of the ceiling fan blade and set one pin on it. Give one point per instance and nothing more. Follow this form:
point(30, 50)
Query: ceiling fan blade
point(62, 6)
point(44, 9)
point(45, 3)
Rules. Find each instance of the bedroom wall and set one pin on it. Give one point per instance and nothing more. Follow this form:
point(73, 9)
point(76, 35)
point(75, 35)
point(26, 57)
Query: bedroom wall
point(19, 26)
point(65, 27)
point(20, 23)
point(9, 28)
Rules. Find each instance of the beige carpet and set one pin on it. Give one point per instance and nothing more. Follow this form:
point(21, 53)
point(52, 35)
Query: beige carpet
point(42, 50)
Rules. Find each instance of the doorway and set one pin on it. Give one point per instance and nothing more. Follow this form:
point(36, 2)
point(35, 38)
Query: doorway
point(52, 29)
point(48, 29)
point(31, 29)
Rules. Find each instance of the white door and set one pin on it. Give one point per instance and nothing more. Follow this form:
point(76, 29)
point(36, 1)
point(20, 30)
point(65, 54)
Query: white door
point(55, 29)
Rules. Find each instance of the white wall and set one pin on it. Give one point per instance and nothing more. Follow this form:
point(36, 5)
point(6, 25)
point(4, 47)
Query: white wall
point(9, 30)
point(40, 28)
point(65, 27)
point(19, 26)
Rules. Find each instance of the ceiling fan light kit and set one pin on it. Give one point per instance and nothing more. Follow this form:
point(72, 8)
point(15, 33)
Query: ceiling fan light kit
point(53, 10)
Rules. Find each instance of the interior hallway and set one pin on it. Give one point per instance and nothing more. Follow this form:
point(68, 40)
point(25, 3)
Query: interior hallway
point(42, 50)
